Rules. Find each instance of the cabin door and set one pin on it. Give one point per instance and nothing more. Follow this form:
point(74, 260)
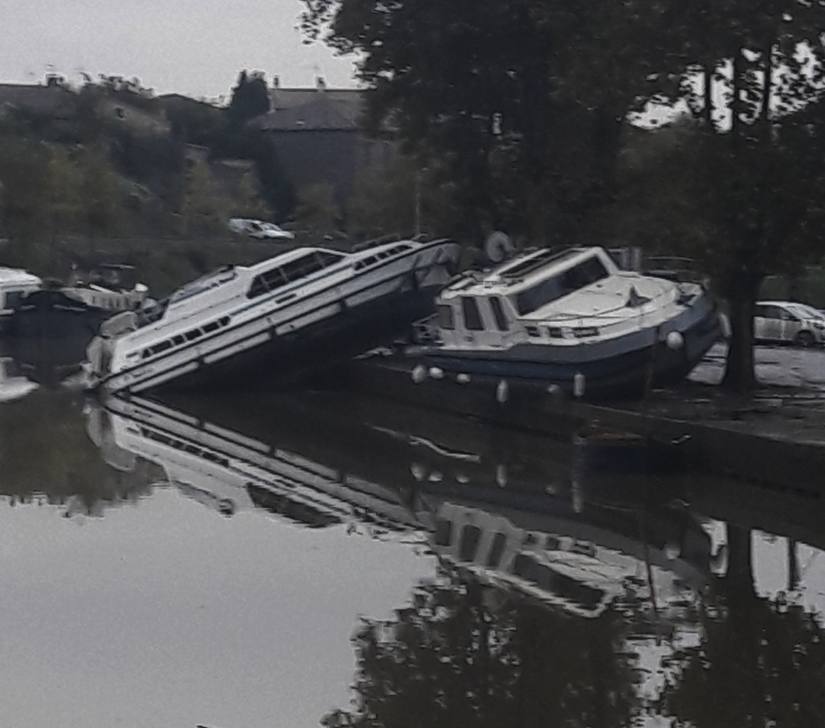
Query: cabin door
point(484, 323)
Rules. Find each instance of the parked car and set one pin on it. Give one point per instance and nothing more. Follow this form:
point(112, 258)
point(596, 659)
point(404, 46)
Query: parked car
point(788, 322)
point(259, 229)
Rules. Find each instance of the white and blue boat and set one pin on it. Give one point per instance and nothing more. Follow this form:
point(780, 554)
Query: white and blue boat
point(300, 311)
point(572, 319)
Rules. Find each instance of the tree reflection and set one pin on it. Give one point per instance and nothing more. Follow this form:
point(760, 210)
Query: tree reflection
point(46, 456)
point(463, 654)
point(759, 662)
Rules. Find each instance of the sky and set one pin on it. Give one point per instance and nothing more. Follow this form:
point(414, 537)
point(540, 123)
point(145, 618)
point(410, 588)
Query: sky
point(195, 47)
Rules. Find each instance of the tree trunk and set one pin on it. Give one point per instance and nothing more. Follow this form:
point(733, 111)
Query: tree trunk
point(740, 373)
point(739, 578)
point(793, 566)
point(707, 110)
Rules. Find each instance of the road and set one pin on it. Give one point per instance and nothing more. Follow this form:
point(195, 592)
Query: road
point(776, 366)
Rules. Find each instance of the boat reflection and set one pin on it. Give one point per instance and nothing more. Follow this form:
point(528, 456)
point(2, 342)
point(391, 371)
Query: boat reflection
point(28, 363)
point(506, 522)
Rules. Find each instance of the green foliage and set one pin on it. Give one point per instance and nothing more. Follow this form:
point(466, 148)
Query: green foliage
point(449, 660)
point(250, 98)
point(102, 200)
point(402, 198)
point(521, 102)
point(757, 663)
point(205, 206)
point(524, 103)
point(317, 213)
point(24, 176)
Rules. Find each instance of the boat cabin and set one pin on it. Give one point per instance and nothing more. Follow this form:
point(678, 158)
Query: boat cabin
point(14, 286)
point(557, 569)
point(509, 301)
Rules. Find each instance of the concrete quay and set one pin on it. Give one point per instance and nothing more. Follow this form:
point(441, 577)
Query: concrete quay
point(775, 439)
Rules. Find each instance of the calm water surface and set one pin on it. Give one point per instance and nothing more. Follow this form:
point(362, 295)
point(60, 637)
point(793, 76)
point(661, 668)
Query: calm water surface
point(260, 562)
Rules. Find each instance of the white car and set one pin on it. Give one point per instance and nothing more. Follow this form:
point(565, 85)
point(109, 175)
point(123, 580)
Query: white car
point(259, 229)
point(788, 322)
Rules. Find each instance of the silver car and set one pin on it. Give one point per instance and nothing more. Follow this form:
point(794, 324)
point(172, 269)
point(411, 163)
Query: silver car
point(788, 322)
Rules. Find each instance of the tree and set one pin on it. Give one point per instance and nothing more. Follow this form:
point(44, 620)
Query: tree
point(205, 207)
point(758, 662)
point(101, 198)
point(523, 102)
point(449, 659)
point(317, 213)
point(250, 98)
point(24, 173)
point(402, 197)
point(750, 74)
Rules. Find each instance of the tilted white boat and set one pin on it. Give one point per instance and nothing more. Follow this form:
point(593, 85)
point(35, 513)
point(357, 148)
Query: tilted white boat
point(573, 316)
point(305, 308)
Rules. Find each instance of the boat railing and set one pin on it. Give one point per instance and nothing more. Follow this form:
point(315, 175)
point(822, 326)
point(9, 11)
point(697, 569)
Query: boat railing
point(673, 268)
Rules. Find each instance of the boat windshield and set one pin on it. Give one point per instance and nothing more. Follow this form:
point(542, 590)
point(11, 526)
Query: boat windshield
point(206, 283)
point(560, 285)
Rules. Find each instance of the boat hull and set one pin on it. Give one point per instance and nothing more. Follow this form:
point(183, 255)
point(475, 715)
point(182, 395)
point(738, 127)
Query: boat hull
point(624, 374)
point(282, 359)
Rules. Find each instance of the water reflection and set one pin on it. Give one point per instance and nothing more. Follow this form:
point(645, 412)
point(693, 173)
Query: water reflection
point(557, 599)
point(26, 364)
point(552, 597)
point(47, 459)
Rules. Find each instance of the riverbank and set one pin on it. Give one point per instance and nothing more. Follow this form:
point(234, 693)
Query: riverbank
point(775, 438)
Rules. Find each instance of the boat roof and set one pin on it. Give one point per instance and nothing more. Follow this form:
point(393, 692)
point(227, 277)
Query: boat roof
point(17, 275)
point(524, 271)
point(290, 255)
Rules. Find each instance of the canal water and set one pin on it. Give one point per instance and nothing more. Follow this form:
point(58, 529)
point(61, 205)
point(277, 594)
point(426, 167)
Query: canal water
point(263, 561)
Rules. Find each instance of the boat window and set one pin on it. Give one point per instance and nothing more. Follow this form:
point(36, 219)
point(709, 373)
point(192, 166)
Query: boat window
point(498, 314)
point(13, 298)
point(162, 346)
point(327, 258)
point(267, 281)
point(496, 550)
point(192, 335)
point(178, 340)
point(468, 544)
point(472, 317)
point(366, 262)
point(534, 262)
point(211, 326)
point(301, 267)
point(446, 320)
point(443, 532)
point(205, 283)
point(564, 586)
point(551, 289)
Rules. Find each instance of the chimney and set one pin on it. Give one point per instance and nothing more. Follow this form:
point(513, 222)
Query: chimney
point(320, 84)
point(276, 82)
